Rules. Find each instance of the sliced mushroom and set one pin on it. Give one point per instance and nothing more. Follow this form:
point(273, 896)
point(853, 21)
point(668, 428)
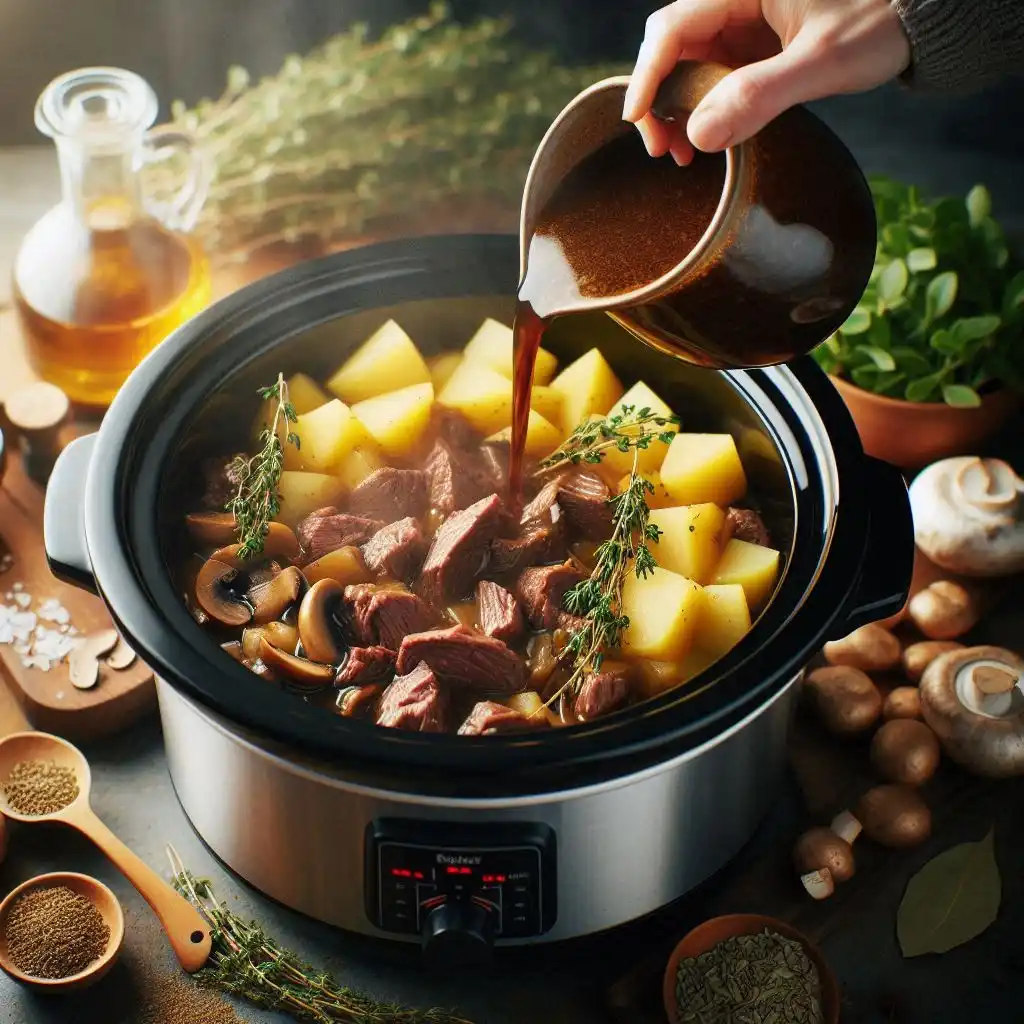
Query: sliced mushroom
point(271, 598)
point(121, 657)
point(84, 660)
point(302, 672)
point(353, 700)
point(320, 625)
point(211, 528)
point(218, 586)
point(279, 542)
point(280, 634)
point(234, 648)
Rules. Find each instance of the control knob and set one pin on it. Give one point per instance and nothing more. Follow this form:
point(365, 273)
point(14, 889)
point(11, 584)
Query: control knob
point(459, 933)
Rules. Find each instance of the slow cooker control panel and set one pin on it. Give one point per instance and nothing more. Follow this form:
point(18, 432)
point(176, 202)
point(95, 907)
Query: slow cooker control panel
point(422, 873)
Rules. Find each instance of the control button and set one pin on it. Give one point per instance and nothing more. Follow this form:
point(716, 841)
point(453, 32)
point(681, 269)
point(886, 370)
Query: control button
point(458, 934)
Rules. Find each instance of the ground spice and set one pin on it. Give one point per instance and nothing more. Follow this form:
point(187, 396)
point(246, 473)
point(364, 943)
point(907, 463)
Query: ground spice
point(175, 999)
point(54, 933)
point(40, 787)
point(750, 979)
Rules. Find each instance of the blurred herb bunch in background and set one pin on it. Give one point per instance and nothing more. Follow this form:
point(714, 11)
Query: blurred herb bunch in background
point(942, 317)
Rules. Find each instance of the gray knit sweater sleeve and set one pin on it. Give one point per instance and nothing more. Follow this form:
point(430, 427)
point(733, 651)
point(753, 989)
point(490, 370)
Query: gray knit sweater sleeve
point(962, 45)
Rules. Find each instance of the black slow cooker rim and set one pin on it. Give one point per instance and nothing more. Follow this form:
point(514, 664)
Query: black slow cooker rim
point(120, 529)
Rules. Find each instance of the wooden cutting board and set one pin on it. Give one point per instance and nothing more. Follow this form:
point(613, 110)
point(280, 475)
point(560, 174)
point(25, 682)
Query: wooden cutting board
point(46, 698)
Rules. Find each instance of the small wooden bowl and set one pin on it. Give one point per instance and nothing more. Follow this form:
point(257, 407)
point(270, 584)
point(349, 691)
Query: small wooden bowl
point(101, 898)
point(709, 934)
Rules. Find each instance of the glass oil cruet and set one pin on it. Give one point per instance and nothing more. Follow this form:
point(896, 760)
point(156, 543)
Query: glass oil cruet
point(108, 273)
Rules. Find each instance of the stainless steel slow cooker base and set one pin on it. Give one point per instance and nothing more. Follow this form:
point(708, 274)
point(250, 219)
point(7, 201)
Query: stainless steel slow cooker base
point(297, 830)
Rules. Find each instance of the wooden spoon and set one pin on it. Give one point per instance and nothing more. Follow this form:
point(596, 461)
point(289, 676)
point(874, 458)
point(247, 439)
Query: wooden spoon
point(187, 929)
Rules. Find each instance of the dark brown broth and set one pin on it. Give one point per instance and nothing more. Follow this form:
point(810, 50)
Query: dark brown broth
point(618, 222)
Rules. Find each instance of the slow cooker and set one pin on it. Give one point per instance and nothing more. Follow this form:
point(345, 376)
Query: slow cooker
point(450, 840)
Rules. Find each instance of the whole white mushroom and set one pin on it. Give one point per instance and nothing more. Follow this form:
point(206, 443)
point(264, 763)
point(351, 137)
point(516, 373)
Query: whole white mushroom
point(968, 516)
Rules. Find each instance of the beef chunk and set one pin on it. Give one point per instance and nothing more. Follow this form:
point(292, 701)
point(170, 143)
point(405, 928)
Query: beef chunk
point(220, 482)
point(543, 509)
point(454, 428)
point(488, 719)
point(397, 550)
point(583, 497)
point(540, 591)
point(327, 529)
point(746, 524)
point(602, 691)
point(536, 546)
point(498, 611)
point(380, 616)
point(389, 494)
point(460, 551)
point(365, 665)
point(414, 702)
point(464, 657)
point(457, 477)
point(354, 700)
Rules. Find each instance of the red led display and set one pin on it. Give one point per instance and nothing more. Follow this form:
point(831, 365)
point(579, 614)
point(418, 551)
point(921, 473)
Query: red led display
point(454, 870)
point(418, 875)
point(402, 873)
point(494, 878)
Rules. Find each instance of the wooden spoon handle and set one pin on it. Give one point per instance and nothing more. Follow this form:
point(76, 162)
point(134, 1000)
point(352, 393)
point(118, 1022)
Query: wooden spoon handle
point(187, 929)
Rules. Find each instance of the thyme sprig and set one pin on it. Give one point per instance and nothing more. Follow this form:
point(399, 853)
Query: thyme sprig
point(598, 599)
point(628, 429)
point(257, 499)
point(249, 964)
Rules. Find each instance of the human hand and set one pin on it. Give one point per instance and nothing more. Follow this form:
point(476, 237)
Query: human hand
point(785, 51)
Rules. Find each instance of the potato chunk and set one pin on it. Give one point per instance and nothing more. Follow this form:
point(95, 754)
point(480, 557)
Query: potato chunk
point(659, 499)
point(587, 385)
point(658, 676)
point(692, 539)
point(724, 619)
point(305, 394)
point(492, 345)
point(327, 435)
point(344, 566)
point(704, 467)
point(640, 396)
point(663, 610)
point(752, 566)
point(481, 394)
point(542, 437)
point(547, 402)
point(302, 493)
point(387, 361)
point(397, 420)
point(442, 367)
point(359, 463)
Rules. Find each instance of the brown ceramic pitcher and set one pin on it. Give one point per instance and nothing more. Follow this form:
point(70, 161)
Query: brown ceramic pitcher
point(785, 258)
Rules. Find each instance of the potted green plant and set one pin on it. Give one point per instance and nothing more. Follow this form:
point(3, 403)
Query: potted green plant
point(931, 361)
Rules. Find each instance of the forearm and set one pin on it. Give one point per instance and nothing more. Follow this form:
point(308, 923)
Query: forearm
point(961, 45)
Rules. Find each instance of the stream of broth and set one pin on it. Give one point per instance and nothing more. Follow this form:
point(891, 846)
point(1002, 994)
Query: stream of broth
point(618, 221)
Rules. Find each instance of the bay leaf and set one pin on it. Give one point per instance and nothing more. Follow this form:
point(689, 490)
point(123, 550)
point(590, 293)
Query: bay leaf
point(951, 900)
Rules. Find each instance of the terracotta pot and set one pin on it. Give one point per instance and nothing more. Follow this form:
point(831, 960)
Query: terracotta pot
point(718, 929)
point(912, 434)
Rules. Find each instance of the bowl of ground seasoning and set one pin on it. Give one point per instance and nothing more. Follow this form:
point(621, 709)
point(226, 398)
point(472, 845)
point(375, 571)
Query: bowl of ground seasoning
point(60, 932)
point(749, 969)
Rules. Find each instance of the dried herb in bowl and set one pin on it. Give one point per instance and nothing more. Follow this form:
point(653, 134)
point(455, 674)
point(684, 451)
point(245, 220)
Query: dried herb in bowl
point(749, 979)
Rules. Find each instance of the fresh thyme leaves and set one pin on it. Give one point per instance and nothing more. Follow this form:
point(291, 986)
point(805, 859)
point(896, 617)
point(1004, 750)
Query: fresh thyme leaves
point(249, 964)
point(598, 599)
point(257, 499)
point(629, 429)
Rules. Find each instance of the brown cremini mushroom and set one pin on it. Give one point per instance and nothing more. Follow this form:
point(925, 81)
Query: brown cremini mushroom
point(320, 624)
point(903, 702)
point(300, 671)
point(353, 699)
point(944, 610)
point(905, 750)
point(917, 657)
point(972, 699)
point(894, 815)
point(218, 593)
point(271, 598)
point(869, 648)
point(821, 857)
point(846, 699)
point(211, 528)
